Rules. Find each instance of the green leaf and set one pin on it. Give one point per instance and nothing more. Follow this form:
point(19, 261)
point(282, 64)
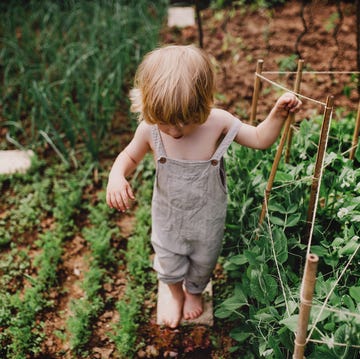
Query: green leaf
point(222, 313)
point(231, 304)
point(234, 303)
point(293, 220)
point(238, 259)
point(315, 312)
point(283, 176)
point(276, 220)
point(319, 250)
point(239, 335)
point(349, 248)
point(355, 293)
point(291, 322)
point(341, 336)
point(251, 257)
point(280, 245)
point(357, 153)
point(263, 287)
point(271, 287)
point(346, 299)
point(276, 207)
point(264, 317)
point(293, 208)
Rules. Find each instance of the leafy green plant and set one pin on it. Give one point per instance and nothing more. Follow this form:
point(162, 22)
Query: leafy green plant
point(266, 272)
point(22, 333)
point(140, 276)
point(98, 235)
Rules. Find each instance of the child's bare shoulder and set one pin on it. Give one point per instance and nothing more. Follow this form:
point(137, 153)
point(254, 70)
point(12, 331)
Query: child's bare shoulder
point(143, 130)
point(221, 119)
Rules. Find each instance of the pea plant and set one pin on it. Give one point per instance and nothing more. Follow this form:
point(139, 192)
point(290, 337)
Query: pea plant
point(264, 264)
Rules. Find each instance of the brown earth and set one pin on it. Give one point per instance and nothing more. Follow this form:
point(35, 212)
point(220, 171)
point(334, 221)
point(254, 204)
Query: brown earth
point(320, 33)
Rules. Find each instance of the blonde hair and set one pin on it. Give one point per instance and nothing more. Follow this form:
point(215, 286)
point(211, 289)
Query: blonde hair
point(174, 85)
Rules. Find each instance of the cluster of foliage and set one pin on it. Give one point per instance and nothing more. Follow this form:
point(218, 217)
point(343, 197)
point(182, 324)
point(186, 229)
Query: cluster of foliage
point(26, 281)
point(101, 264)
point(50, 201)
point(142, 279)
point(265, 264)
point(65, 68)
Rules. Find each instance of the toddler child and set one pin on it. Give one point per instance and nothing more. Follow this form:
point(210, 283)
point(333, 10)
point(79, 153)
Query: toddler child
point(173, 94)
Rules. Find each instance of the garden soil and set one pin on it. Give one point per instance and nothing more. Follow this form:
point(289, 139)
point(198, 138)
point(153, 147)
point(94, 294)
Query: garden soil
point(324, 36)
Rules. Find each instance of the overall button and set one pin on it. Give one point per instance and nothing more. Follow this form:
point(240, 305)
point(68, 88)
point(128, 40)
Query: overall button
point(214, 162)
point(162, 159)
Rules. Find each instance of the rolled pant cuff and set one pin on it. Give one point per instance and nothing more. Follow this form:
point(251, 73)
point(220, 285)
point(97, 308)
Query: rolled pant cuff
point(170, 280)
point(193, 288)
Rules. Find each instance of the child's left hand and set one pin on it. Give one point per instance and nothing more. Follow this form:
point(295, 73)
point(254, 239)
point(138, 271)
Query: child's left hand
point(287, 103)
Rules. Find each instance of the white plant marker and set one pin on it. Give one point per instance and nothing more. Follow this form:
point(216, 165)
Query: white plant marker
point(15, 161)
point(181, 16)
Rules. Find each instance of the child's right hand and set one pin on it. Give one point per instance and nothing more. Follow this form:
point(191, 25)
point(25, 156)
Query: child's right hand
point(119, 194)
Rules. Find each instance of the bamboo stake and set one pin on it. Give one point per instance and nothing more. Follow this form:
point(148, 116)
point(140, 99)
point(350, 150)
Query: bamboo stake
point(256, 91)
point(288, 122)
point(318, 164)
point(199, 24)
point(297, 90)
point(355, 138)
point(306, 296)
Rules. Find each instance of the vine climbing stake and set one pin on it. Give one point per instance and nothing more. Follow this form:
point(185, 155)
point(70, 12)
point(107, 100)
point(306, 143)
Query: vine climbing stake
point(355, 138)
point(306, 296)
point(297, 90)
point(315, 185)
point(279, 151)
point(257, 83)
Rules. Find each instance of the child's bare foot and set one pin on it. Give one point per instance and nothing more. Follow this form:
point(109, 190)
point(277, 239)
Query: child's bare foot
point(172, 314)
point(193, 305)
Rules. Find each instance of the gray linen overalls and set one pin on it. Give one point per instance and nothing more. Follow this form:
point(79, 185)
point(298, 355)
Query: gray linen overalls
point(188, 214)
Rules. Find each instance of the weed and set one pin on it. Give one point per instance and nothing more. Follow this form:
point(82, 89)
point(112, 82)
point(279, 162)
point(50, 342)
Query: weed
point(288, 63)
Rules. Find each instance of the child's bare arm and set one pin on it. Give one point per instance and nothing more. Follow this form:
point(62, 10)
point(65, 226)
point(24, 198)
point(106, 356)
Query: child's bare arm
point(266, 133)
point(119, 192)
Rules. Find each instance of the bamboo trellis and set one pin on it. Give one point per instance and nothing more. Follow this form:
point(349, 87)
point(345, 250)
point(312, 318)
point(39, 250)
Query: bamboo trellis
point(288, 122)
point(309, 277)
point(296, 89)
point(306, 296)
point(256, 91)
point(318, 166)
point(355, 138)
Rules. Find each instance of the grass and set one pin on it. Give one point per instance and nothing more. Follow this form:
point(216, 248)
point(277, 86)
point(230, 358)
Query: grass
point(65, 69)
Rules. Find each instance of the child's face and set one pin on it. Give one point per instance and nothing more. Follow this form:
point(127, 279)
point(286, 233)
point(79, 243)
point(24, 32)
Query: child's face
point(179, 131)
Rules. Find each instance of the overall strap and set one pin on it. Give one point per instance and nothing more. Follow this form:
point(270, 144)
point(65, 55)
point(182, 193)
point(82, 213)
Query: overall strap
point(158, 144)
point(227, 141)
